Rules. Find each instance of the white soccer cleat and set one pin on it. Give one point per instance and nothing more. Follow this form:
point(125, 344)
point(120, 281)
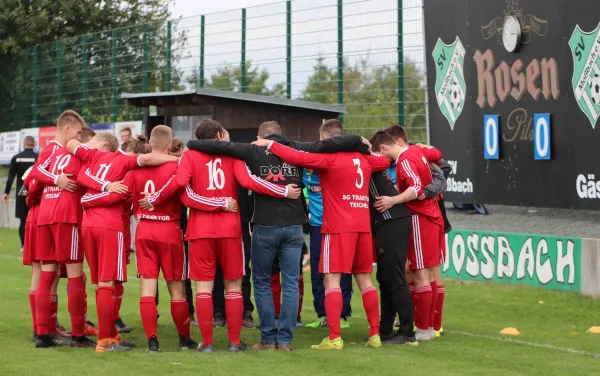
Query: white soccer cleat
point(422, 335)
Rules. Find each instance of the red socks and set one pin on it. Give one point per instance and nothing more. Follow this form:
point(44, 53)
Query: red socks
point(276, 290)
point(119, 298)
point(149, 312)
point(42, 302)
point(32, 307)
point(204, 309)
point(234, 311)
point(437, 321)
point(333, 311)
point(433, 303)
point(371, 305)
point(77, 305)
point(181, 317)
point(105, 305)
point(53, 318)
point(422, 306)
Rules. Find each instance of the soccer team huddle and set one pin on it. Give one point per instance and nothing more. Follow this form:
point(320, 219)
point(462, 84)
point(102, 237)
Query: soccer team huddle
point(82, 188)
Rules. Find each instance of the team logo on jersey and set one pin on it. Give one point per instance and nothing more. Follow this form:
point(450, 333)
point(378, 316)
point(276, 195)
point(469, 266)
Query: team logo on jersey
point(450, 86)
point(585, 48)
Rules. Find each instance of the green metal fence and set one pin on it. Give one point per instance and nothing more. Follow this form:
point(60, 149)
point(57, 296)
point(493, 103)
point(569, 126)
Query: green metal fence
point(367, 54)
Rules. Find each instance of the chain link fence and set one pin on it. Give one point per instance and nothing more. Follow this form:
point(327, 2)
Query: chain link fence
point(354, 52)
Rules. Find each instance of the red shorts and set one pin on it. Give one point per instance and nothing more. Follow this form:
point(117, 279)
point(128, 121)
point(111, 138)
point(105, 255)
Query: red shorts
point(30, 242)
point(159, 245)
point(205, 253)
point(425, 243)
point(61, 243)
point(104, 254)
point(347, 252)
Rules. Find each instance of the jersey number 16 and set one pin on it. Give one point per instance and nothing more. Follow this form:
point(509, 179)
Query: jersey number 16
point(216, 178)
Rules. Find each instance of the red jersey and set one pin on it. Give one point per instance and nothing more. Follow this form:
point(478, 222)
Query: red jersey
point(412, 172)
point(209, 180)
point(104, 168)
point(344, 181)
point(34, 187)
point(148, 180)
point(58, 205)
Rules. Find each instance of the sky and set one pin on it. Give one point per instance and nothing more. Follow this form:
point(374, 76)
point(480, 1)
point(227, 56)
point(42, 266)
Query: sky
point(370, 33)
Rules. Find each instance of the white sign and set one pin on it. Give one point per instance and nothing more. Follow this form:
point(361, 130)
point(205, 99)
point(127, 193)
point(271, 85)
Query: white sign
point(9, 146)
point(33, 132)
point(135, 126)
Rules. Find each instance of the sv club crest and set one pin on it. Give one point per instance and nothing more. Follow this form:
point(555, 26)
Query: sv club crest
point(585, 48)
point(450, 86)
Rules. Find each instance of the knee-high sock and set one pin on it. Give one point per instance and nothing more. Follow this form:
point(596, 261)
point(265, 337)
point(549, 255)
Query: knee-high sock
point(181, 317)
point(422, 304)
point(234, 311)
point(204, 308)
point(371, 305)
point(42, 302)
point(148, 313)
point(333, 311)
point(437, 322)
point(106, 312)
point(77, 305)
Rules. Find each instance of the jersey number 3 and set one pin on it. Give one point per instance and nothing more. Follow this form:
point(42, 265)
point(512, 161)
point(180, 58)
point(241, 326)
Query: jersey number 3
point(216, 178)
point(360, 180)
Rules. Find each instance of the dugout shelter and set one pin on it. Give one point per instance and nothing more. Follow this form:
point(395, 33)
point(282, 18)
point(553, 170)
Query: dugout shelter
point(240, 113)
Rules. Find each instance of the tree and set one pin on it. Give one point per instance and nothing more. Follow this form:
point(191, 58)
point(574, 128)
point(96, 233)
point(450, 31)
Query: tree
point(24, 24)
point(370, 95)
point(230, 78)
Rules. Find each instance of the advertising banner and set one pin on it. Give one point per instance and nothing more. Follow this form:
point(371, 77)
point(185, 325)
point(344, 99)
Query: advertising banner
point(106, 127)
point(46, 135)
point(514, 99)
point(9, 146)
point(548, 262)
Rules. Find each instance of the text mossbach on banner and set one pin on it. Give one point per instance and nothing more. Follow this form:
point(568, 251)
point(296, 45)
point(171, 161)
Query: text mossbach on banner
point(536, 260)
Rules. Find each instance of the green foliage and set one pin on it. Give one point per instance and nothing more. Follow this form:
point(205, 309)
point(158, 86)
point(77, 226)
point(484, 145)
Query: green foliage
point(42, 22)
point(230, 78)
point(370, 95)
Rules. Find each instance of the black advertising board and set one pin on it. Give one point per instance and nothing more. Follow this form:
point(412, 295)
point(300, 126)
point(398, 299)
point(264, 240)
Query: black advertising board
point(518, 124)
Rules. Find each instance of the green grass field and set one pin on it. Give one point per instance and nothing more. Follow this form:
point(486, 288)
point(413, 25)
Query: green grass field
point(553, 338)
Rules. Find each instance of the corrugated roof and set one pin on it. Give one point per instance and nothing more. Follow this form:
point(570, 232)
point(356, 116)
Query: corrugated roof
point(216, 93)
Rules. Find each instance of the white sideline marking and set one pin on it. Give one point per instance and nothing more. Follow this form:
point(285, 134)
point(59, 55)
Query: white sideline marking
point(526, 343)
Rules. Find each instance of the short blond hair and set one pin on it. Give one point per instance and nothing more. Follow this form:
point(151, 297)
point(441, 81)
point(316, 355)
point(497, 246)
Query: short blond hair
point(110, 139)
point(86, 134)
point(69, 117)
point(160, 137)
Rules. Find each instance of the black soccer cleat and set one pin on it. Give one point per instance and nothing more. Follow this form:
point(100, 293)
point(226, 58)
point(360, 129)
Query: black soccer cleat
point(206, 349)
point(187, 343)
point(34, 337)
point(126, 343)
point(248, 321)
point(83, 342)
point(153, 346)
point(46, 341)
point(219, 321)
point(237, 348)
point(121, 327)
point(60, 330)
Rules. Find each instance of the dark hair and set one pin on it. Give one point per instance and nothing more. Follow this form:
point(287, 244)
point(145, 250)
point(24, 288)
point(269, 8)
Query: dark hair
point(381, 138)
point(332, 128)
point(139, 145)
point(208, 129)
point(269, 127)
point(126, 129)
point(176, 145)
point(397, 132)
point(125, 145)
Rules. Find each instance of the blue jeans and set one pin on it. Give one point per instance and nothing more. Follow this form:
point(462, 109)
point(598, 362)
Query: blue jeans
point(318, 288)
point(268, 242)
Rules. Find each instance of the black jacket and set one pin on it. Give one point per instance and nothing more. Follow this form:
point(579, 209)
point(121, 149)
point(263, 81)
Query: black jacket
point(18, 165)
point(271, 211)
point(381, 185)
